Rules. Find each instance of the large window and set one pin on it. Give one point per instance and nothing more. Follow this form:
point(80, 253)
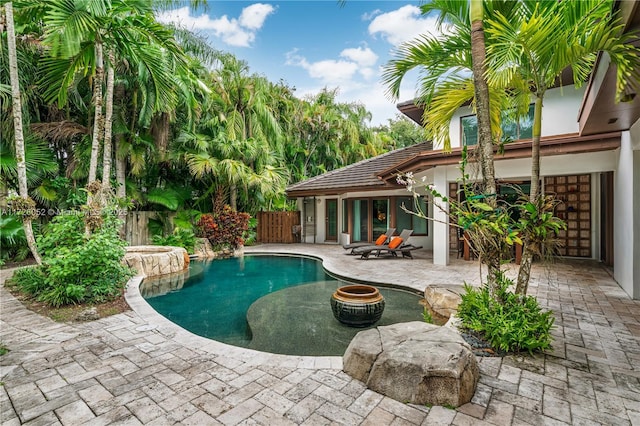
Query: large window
point(511, 129)
point(406, 220)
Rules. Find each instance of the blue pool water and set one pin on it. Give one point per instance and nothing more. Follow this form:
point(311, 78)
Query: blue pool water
point(214, 300)
point(278, 304)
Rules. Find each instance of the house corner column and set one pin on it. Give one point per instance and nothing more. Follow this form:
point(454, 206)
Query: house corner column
point(441, 219)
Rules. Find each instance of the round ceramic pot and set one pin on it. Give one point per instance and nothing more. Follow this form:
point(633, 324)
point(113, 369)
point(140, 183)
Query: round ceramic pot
point(357, 305)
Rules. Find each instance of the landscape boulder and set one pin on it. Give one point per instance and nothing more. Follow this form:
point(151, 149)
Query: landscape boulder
point(414, 362)
point(444, 298)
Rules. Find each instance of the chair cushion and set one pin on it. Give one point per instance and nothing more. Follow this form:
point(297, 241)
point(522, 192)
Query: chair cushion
point(395, 242)
point(381, 240)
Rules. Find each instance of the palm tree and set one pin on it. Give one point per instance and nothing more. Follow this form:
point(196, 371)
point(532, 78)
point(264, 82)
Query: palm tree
point(454, 69)
point(18, 134)
point(80, 31)
point(240, 135)
point(533, 45)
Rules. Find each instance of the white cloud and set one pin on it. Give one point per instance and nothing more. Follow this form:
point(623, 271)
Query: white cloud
point(402, 25)
point(338, 72)
point(253, 17)
point(362, 56)
point(235, 32)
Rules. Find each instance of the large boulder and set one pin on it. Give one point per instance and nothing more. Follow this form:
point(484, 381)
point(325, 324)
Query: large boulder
point(414, 362)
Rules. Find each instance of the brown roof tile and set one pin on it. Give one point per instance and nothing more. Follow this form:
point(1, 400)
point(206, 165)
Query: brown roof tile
point(360, 176)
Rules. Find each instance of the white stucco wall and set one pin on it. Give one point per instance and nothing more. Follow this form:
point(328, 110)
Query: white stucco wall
point(626, 249)
point(559, 114)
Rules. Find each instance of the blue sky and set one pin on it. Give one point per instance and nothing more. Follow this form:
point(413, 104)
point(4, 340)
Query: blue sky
point(315, 44)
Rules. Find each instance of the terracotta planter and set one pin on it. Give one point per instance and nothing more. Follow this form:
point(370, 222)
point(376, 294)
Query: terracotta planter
point(357, 305)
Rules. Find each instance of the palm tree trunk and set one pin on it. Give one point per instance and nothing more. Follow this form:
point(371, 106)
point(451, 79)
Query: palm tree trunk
point(524, 273)
point(535, 150)
point(106, 158)
point(17, 124)
point(98, 119)
point(233, 197)
point(485, 142)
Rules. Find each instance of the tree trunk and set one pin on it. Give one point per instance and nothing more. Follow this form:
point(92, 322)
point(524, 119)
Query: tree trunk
point(160, 132)
point(98, 119)
point(481, 88)
point(17, 124)
point(535, 149)
point(106, 158)
point(485, 137)
point(524, 273)
point(233, 196)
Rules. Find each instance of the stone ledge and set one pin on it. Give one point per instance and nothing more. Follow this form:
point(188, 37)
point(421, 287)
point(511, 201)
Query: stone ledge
point(152, 261)
point(414, 362)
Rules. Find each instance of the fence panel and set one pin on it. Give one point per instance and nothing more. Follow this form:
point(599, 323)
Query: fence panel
point(137, 226)
point(278, 227)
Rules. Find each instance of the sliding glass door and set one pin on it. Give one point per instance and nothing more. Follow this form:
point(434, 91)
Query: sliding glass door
point(360, 220)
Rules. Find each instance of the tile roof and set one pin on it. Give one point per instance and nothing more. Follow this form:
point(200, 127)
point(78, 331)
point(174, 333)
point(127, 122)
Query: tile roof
point(357, 176)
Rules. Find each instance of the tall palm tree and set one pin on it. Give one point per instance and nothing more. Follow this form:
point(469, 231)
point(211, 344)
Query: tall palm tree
point(533, 45)
point(18, 134)
point(78, 32)
point(240, 135)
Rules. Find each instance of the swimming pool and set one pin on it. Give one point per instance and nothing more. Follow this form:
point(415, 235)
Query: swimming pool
point(277, 304)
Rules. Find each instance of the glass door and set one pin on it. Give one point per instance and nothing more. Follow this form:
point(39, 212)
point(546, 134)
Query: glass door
point(331, 219)
point(380, 217)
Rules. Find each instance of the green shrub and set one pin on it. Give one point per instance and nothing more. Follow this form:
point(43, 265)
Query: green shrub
point(507, 321)
point(12, 239)
point(77, 268)
point(184, 238)
point(30, 280)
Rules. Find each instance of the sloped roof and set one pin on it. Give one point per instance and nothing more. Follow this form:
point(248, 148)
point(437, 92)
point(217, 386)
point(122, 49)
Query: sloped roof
point(360, 176)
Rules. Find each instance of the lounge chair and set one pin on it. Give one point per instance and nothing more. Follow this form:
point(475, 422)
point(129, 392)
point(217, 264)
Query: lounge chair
point(386, 240)
point(402, 245)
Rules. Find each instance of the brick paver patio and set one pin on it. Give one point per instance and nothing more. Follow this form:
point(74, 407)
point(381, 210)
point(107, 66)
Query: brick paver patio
point(138, 368)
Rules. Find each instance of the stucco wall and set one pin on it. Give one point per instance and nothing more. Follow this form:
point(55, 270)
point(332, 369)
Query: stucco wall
point(559, 114)
point(626, 230)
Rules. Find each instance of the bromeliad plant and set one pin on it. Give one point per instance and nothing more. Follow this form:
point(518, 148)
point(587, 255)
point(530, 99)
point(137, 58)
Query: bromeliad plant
point(224, 228)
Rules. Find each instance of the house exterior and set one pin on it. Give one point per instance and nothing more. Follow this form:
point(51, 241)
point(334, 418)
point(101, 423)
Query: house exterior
point(590, 159)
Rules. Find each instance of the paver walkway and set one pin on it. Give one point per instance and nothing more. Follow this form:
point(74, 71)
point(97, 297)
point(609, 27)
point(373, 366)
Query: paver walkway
point(137, 368)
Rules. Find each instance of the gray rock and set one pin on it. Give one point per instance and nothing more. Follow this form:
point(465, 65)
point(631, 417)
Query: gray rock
point(89, 314)
point(414, 362)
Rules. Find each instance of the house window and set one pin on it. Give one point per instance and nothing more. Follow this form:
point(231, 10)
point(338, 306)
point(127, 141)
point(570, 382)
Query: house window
point(511, 129)
point(469, 130)
point(406, 220)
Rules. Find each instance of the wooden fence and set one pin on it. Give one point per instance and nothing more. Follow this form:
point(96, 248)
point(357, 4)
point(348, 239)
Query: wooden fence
point(136, 228)
point(279, 227)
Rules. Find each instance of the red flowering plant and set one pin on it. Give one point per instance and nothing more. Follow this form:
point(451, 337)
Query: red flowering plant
point(223, 229)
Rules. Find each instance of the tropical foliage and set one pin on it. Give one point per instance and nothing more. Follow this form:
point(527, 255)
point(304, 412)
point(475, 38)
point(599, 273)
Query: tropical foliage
point(76, 268)
point(510, 322)
point(159, 117)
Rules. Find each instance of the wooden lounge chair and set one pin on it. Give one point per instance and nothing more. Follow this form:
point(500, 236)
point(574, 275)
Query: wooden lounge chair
point(390, 247)
point(405, 250)
point(354, 246)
